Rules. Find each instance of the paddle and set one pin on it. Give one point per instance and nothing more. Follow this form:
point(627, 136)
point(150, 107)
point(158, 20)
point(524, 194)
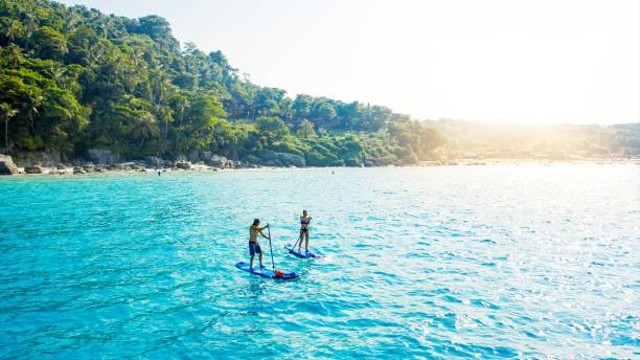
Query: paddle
point(270, 247)
point(294, 245)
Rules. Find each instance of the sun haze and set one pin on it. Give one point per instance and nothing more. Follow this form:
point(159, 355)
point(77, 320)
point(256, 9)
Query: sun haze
point(494, 61)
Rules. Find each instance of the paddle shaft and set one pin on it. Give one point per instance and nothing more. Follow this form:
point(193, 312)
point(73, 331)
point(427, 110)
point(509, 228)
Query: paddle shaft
point(271, 248)
point(299, 238)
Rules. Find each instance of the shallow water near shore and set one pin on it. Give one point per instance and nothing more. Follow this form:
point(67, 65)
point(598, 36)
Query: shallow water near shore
point(489, 262)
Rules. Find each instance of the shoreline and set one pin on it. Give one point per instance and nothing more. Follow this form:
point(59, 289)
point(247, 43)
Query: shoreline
point(197, 168)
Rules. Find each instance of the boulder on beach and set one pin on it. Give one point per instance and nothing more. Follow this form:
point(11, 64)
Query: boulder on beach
point(352, 163)
point(89, 167)
point(45, 159)
point(153, 161)
point(272, 158)
point(78, 171)
point(35, 169)
point(216, 161)
point(103, 156)
point(184, 165)
point(7, 167)
point(62, 167)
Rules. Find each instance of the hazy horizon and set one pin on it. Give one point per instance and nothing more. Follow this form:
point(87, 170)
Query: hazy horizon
point(569, 62)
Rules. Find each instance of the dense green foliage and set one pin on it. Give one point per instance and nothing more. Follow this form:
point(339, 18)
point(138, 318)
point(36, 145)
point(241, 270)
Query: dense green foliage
point(73, 79)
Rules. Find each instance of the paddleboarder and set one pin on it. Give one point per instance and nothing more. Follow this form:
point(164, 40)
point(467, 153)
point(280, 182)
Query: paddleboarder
point(305, 219)
point(254, 247)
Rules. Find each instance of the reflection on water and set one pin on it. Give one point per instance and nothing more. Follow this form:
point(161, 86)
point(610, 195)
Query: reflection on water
point(446, 262)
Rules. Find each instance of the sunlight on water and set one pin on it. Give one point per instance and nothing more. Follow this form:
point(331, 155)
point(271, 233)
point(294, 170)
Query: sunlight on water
point(443, 262)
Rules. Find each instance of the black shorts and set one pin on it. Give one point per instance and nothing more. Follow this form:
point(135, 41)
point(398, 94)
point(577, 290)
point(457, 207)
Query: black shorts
point(305, 230)
point(254, 248)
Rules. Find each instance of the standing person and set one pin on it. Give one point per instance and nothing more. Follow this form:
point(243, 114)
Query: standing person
point(305, 219)
point(254, 247)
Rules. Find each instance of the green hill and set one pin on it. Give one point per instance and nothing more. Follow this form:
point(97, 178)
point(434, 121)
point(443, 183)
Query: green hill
point(73, 79)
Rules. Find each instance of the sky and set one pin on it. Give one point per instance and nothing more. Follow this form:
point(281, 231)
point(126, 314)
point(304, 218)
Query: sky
point(506, 61)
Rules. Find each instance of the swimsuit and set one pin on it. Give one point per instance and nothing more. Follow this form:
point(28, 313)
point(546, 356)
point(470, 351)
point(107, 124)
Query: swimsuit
point(254, 248)
point(304, 222)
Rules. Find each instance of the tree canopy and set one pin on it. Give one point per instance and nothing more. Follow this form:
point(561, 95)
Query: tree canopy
point(74, 79)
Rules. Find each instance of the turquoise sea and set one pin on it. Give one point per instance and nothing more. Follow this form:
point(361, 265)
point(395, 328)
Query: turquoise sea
point(484, 262)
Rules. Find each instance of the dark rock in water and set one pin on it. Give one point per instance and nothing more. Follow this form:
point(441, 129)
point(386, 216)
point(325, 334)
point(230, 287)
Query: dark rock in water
point(7, 167)
point(36, 169)
point(183, 165)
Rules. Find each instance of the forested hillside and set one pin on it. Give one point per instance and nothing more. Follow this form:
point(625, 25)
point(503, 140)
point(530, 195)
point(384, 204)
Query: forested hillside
point(74, 79)
point(468, 139)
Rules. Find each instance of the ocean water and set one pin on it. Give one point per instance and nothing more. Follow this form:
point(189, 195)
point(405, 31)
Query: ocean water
point(481, 262)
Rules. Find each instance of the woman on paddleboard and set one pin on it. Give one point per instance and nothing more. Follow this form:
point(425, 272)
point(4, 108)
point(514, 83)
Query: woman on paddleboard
point(254, 247)
point(305, 219)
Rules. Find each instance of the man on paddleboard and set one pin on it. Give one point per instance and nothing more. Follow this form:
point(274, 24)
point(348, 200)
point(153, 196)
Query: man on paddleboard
point(254, 247)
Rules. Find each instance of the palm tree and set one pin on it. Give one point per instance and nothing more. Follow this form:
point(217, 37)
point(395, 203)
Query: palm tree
point(181, 105)
point(147, 127)
point(13, 29)
point(7, 112)
point(14, 54)
point(31, 107)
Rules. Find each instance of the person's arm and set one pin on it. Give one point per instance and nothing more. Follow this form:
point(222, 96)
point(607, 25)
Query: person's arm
point(261, 233)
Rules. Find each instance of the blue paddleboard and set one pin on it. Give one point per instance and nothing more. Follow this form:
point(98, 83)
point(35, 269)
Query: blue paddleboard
point(264, 272)
point(302, 253)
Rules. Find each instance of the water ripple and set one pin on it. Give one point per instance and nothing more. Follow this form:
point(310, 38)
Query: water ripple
point(452, 262)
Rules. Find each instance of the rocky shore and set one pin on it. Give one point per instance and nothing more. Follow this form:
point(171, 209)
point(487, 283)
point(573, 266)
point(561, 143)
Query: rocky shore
point(104, 162)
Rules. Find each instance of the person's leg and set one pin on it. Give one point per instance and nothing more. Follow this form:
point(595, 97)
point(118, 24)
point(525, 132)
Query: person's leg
point(252, 253)
point(261, 259)
point(306, 241)
point(300, 240)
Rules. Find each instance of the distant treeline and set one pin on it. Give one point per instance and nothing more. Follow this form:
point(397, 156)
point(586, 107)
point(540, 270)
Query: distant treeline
point(74, 79)
point(467, 139)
